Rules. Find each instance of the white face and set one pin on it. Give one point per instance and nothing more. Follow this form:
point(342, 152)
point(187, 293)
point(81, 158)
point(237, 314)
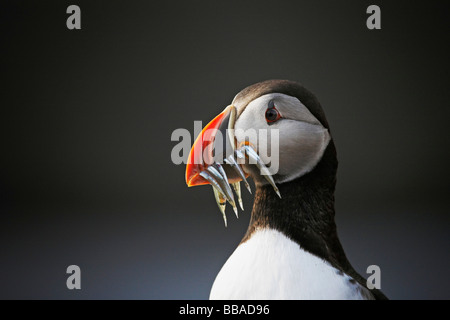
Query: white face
point(302, 139)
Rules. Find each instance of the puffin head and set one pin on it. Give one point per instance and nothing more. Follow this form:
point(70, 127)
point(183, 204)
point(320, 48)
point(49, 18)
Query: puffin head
point(273, 131)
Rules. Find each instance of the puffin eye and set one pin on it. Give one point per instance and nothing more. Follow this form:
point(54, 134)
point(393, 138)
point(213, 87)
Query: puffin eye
point(272, 115)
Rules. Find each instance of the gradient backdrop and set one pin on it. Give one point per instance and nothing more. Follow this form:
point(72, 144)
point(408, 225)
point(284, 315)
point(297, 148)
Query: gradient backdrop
point(86, 176)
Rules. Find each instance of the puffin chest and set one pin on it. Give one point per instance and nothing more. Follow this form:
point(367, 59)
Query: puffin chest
point(269, 265)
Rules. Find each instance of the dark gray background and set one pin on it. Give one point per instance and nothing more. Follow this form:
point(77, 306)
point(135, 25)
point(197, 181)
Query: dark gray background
point(86, 176)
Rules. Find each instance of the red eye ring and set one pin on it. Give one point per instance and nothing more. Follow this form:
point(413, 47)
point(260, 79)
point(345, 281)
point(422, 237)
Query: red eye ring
point(272, 115)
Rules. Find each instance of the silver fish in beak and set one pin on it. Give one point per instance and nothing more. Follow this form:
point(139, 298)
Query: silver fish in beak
point(215, 160)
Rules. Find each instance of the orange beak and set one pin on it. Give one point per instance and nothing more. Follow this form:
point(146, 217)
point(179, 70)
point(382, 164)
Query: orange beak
point(216, 160)
point(201, 156)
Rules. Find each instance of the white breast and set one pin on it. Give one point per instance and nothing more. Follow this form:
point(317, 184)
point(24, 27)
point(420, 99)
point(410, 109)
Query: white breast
point(271, 266)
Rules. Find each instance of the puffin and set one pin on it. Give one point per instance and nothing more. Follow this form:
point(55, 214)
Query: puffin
point(276, 133)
